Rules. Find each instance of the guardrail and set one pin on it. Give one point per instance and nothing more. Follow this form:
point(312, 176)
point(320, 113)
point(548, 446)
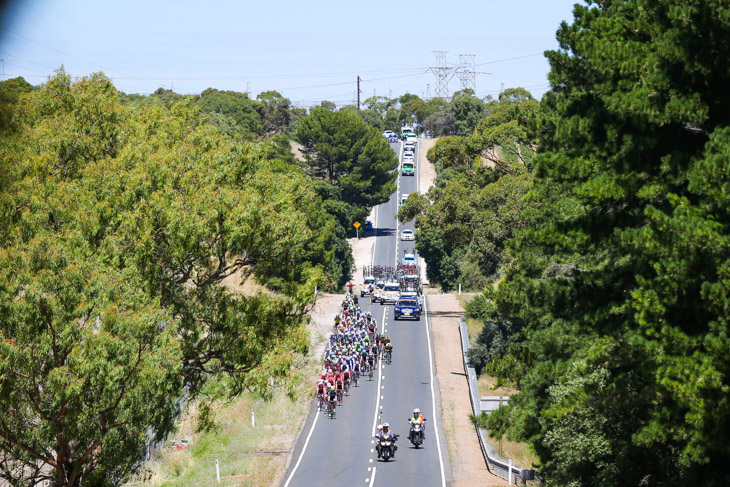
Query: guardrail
point(504, 468)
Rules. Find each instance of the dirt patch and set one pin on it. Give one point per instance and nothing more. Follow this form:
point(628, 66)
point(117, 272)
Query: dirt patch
point(296, 149)
point(427, 171)
point(426, 177)
point(467, 462)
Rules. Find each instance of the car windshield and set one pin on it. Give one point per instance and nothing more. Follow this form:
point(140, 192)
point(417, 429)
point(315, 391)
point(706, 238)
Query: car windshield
point(392, 288)
point(407, 232)
point(369, 281)
point(408, 302)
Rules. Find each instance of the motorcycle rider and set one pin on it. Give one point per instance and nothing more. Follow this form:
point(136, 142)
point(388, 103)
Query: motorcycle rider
point(416, 419)
point(385, 433)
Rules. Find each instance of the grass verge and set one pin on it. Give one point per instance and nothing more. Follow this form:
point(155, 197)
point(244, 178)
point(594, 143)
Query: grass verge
point(247, 455)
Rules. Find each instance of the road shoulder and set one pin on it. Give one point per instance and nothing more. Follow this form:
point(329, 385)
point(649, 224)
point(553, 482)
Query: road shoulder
point(465, 455)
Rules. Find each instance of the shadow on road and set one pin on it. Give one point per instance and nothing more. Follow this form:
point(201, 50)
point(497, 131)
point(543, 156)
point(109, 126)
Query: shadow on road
point(445, 314)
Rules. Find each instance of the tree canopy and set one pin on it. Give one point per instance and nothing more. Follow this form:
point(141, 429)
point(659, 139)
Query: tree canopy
point(121, 227)
point(620, 272)
point(343, 150)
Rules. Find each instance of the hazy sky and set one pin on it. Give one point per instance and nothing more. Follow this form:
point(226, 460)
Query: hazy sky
point(308, 50)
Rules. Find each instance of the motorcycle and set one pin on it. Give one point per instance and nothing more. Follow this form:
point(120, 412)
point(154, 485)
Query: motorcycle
point(387, 447)
point(416, 436)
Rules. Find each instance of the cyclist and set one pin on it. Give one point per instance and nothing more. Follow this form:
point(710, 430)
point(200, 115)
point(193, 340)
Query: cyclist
point(320, 393)
point(340, 385)
point(371, 361)
point(389, 349)
point(332, 398)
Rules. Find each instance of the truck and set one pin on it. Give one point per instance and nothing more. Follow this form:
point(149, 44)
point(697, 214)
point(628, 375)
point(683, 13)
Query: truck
point(407, 307)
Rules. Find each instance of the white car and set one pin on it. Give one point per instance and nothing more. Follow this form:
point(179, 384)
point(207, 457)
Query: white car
point(390, 293)
point(403, 198)
point(407, 235)
point(388, 133)
point(408, 157)
point(411, 138)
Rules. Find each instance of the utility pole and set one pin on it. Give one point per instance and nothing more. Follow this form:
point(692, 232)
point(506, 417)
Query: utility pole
point(358, 93)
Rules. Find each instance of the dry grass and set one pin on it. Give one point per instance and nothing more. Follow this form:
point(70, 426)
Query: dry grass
point(520, 453)
point(236, 284)
point(486, 385)
point(234, 443)
point(473, 327)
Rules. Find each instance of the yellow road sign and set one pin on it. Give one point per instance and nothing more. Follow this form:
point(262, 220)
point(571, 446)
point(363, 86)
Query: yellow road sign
point(356, 224)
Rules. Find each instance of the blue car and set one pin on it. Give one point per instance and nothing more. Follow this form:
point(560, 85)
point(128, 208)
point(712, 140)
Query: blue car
point(368, 225)
point(393, 138)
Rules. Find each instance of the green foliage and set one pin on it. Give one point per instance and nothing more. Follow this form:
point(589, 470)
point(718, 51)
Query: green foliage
point(342, 149)
point(492, 344)
point(10, 92)
point(234, 113)
point(118, 225)
point(380, 104)
point(619, 271)
point(275, 112)
point(441, 121)
point(465, 221)
point(372, 118)
point(468, 110)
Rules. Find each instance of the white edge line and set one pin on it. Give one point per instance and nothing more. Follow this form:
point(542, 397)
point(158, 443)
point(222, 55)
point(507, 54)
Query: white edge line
point(372, 478)
point(304, 448)
point(380, 375)
point(433, 397)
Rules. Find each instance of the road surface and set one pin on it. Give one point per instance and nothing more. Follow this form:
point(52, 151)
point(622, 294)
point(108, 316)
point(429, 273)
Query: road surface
point(341, 451)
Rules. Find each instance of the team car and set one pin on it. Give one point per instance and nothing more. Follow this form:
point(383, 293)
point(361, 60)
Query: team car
point(407, 235)
point(408, 169)
point(365, 286)
point(407, 308)
point(390, 293)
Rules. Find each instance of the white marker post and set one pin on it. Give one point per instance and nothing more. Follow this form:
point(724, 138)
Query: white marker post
point(509, 476)
point(217, 472)
point(253, 420)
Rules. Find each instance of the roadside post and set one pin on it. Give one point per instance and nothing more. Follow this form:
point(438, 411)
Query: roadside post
point(217, 472)
point(357, 229)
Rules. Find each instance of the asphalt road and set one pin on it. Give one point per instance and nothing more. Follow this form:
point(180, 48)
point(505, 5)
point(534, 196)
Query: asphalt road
point(340, 452)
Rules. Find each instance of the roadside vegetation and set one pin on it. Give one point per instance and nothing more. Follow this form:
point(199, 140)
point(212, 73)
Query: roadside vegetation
point(122, 221)
point(596, 226)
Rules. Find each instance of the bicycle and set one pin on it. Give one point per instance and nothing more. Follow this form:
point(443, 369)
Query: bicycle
point(331, 409)
point(370, 373)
